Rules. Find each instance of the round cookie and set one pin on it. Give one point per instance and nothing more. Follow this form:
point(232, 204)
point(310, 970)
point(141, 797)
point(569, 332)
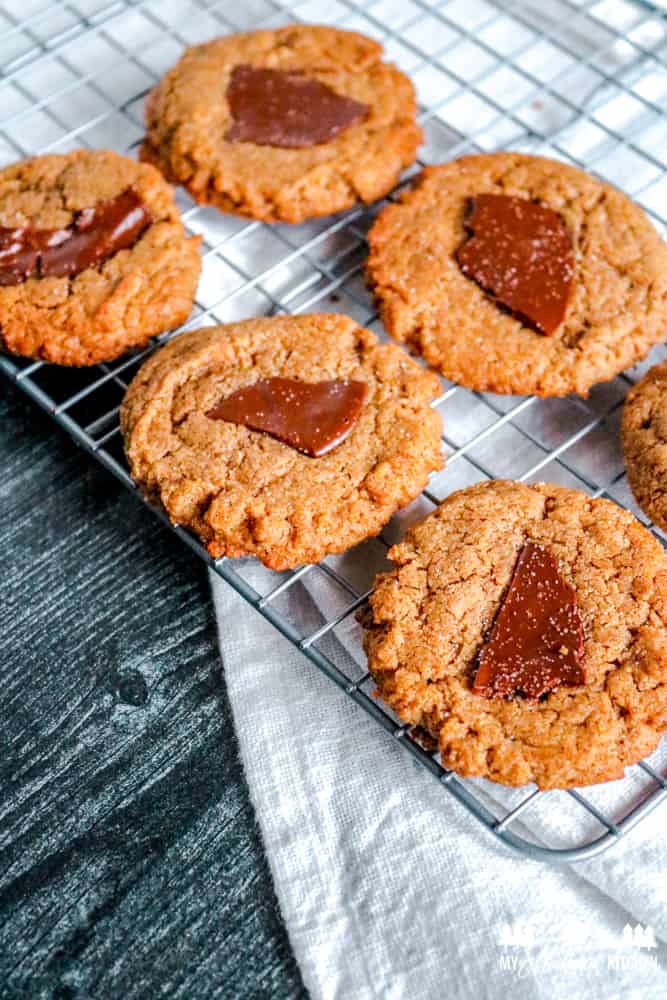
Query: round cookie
point(617, 307)
point(246, 493)
point(193, 138)
point(112, 304)
point(431, 616)
point(644, 431)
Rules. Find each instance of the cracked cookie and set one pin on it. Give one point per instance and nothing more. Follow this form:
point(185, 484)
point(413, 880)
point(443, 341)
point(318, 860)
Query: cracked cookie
point(500, 604)
point(286, 438)
point(94, 259)
point(605, 297)
point(284, 124)
point(644, 432)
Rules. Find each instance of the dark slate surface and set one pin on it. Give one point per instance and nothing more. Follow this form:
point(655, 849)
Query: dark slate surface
point(130, 862)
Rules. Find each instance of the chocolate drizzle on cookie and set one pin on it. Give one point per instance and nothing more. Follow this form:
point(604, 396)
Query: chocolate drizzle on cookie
point(520, 253)
point(95, 235)
point(273, 107)
point(537, 641)
point(312, 417)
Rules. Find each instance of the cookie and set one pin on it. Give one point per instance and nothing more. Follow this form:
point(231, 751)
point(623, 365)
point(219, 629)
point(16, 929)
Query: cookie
point(285, 438)
point(94, 259)
point(468, 261)
point(526, 628)
point(283, 125)
point(644, 431)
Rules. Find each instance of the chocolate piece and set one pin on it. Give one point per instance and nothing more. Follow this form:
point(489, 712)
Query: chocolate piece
point(520, 254)
point(537, 640)
point(18, 257)
point(95, 235)
point(312, 417)
point(273, 107)
point(426, 740)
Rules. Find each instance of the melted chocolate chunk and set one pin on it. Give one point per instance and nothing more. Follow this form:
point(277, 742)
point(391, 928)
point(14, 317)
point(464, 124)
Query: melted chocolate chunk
point(95, 235)
point(520, 254)
point(19, 258)
point(537, 640)
point(312, 417)
point(272, 107)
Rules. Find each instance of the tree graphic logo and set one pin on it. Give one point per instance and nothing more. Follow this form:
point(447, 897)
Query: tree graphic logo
point(517, 934)
point(638, 937)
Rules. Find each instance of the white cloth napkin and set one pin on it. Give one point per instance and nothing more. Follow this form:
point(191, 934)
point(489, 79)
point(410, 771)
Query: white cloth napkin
point(388, 888)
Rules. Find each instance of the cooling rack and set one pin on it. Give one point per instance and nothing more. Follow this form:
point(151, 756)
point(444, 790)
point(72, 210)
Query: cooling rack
point(579, 80)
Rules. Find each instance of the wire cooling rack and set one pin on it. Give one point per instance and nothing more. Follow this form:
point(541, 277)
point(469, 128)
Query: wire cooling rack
point(579, 80)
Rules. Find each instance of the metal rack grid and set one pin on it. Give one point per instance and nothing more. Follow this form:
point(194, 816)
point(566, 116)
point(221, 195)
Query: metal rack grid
point(580, 80)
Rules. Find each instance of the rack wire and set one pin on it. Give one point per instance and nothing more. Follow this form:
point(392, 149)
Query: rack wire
point(580, 80)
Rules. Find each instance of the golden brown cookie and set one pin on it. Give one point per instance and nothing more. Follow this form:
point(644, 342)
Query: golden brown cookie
point(644, 432)
point(352, 120)
point(436, 619)
point(616, 308)
point(243, 491)
point(94, 259)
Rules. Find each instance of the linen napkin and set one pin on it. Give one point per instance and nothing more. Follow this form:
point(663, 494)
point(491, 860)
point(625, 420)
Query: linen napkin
point(388, 888)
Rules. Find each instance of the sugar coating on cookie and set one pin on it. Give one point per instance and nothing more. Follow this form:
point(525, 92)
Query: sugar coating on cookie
point(616, 308)
point(431, 616)
point(644, 431)
point(361, 133)
point(78, 308)
point(246, 493)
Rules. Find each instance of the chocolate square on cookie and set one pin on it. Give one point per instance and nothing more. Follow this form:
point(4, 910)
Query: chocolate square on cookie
point(285, 124)
point(94, 259)
point(525, 628)
point(512, 273)
point(286, 437)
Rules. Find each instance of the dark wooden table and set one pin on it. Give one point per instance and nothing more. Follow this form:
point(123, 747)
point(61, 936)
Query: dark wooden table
point(130, 862)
